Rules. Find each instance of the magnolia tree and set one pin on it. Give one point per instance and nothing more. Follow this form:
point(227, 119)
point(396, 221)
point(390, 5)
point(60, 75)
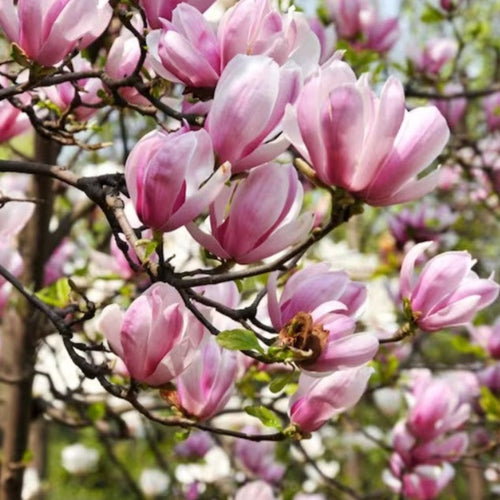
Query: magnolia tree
point(235, 249)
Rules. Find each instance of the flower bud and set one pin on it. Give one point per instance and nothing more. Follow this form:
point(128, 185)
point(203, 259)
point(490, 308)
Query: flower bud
point(447, 292)
point(170, 177)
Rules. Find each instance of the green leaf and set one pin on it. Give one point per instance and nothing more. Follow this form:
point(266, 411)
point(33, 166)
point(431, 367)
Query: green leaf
point(149, 246)
point(266, 416)
point(280, 381)
point(463, 345)
point(181, 435)
point(432, 15)
point(57, 294)
point(19, 56)
point(96, 411)
point(490, 404)
point(279, 354)
point(239, 340)
point(28, 457)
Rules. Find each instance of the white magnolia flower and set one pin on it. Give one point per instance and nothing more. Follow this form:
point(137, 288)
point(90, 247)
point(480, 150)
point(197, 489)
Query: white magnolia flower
point(153, 482)
point(79, 459)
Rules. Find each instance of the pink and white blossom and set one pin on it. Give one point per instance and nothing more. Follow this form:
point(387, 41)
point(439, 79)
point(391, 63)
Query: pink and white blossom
point(156, 337)
point(247, 110)
point(255, 27)
point(453, 109)
point(156, 10)
point(436, 53)
point(447, 292)
point(491, 106)
point(186, 49)
point(258, 457)
point(437, 409)
point(256, 217)
point(13, 121)
point(205, 387)
point(319, 399)
point(370, 146)
point(171, 178)
point(122, 60)
point(309, 288)
point(329, 298)
point(358, 22)
point(48, 31)
point(84, 92)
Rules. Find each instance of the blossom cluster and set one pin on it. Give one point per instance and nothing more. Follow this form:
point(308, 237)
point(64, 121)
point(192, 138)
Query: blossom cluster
point(249, 117)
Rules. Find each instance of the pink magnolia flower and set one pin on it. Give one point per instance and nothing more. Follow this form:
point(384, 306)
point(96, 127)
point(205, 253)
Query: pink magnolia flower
point(488, 337)
point(49, 30)
point(452, 109)
point(314, 314)
point(370, 146)
point(319, 399)
point(156, 337)
point(256, 490)
point(378, 34)
point(186, 50)
point(248, 106)
point(54, 268)
point(13, 121)
point(423, 482)
point(339, 347)
point(206, 385)
point(411, 452)
point(309, 288)
point(257, 216)
point(447, 292)
point(449, 5)
point(423, 223)
point(425, 441)
point(254, 27)
point(359, 22)
point(491, 106)
point(195, 446)
point(327, 39)
point(490, 377)
point(258, 458)
point(156, 10)
point(435, 54)
point(86, 91)
point(14, 215)
point(122, 60)
point(11, 259)
point(437, 409)
point(346, 16)
point(166, 174)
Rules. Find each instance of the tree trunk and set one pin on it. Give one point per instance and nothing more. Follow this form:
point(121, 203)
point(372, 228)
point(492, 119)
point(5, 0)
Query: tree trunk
point(21, 329)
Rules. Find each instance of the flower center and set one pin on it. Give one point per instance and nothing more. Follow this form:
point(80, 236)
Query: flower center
point(301, 333)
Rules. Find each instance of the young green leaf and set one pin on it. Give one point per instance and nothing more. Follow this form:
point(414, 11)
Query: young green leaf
point(266, 416)
point(239, 340)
